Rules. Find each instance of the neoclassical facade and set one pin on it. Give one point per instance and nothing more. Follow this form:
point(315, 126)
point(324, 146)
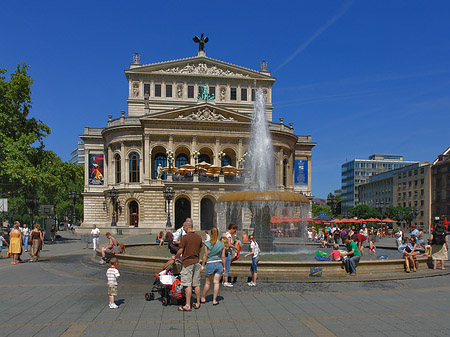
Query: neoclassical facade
point(194, 116)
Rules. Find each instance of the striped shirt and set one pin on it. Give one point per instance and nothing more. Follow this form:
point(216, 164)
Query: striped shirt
point(112, 274)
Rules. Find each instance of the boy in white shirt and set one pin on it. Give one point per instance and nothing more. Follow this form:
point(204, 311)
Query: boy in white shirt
point(112, 275)
point(95, 233)
point(255, 259)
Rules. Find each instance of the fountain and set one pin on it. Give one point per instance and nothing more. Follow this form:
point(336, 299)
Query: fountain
point(261, 197)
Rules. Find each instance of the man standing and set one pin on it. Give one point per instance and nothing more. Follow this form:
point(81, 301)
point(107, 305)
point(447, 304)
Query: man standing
point(25, 236)
point(190, 247)
point(95, 233)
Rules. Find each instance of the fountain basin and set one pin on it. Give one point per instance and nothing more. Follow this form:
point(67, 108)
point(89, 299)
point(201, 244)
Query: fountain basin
point(262, 196)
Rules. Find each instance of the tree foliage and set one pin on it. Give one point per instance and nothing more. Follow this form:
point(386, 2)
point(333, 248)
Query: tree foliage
point(26, 168)
point(317, 209)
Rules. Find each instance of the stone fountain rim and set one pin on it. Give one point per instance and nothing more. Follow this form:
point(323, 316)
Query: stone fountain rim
point(263, 196)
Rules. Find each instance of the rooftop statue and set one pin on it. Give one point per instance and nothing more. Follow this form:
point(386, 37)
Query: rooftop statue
point(201, 41)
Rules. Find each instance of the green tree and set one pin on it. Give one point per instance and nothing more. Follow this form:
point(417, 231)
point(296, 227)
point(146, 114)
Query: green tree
point(317, 209)
point(363, 212)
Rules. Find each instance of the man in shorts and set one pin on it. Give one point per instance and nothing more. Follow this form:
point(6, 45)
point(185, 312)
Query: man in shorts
point(113, 247)
point(190, 247)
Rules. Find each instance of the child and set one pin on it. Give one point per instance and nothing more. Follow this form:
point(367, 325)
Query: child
point(160, 238)
point(255, 259)
point(2, 239)
point(336, 254)
point(372, 247)
point(112, 274)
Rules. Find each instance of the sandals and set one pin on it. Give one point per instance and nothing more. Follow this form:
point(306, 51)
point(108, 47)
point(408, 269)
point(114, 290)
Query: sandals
point(196, 306)
point(184, 309)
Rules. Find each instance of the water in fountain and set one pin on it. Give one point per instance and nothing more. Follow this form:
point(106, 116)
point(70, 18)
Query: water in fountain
point(260, 152)
point(261, 201)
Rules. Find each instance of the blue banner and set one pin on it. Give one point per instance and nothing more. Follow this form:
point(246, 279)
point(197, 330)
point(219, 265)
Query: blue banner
point(301, 172)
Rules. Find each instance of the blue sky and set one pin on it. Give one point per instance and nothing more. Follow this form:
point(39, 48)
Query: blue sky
point(361, 77)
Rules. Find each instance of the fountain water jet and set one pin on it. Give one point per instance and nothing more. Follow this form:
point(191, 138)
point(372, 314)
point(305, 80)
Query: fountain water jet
point(261, 198)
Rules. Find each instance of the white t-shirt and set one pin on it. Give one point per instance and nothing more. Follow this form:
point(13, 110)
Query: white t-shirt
point(179, 234)
point(112, 274)
point(25, 231)
point(254, 245)
point(310, 234)
point(95, 232)
point(399, 235)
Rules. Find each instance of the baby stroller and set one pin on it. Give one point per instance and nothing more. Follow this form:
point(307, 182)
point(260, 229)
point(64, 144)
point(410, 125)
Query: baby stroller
point(168, 284)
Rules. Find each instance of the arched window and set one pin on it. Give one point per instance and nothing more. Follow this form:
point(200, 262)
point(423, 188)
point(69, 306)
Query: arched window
point(285, 173)
point(205, 158)
point(181, 160)
point(134, 213)
point(226, 160)
point(118, 165)
point(160, 158)
point(134, 167)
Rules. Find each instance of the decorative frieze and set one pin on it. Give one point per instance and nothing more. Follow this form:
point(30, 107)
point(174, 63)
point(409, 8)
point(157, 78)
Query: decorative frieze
point(201, 69)
point(206, 114)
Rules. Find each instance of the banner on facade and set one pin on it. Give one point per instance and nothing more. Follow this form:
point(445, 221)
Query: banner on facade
point(96, 169)
point(301, 172)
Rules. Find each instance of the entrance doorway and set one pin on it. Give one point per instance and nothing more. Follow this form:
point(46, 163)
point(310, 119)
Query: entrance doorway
point(207, 214)
point(182, 211)
point(134, 213)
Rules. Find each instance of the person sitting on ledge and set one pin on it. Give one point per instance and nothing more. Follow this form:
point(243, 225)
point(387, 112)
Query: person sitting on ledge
point(353, 256)
point(408, 255)
point(113, 247)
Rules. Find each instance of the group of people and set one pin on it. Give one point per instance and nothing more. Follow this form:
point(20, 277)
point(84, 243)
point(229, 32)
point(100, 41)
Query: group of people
point(186, 244)
point(19, 240)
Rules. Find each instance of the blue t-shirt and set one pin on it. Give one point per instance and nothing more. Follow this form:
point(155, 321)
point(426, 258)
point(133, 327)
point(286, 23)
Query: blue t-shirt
point(215, 252)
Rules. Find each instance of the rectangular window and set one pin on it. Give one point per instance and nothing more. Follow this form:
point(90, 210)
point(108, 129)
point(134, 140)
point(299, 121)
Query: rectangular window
point(422, 170)
point(157, 90)
point(212, 91)
point(243, 94)
point(399, 176)
point(422, 202)
point(415, 182)
point(146, 89)
point(409, 194)
point(409, 173)
point(190, 91)
point(421, 213)
point(404, 174)
point(409, 183)
point(415, 172)
point(168, 90)
point(422, 181)
point(233, 94)
point(253, 94)
point(422, 192)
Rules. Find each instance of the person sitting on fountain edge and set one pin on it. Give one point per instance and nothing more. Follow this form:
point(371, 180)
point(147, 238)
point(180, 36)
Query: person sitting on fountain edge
point(353, 256)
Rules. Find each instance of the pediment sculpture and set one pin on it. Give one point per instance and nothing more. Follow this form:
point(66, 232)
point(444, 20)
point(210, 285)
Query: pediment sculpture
point(206, 114)
point(202, 69)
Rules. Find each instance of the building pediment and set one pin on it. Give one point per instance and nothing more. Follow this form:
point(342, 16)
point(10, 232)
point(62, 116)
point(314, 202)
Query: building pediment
point(198, 66)
point(202, 113)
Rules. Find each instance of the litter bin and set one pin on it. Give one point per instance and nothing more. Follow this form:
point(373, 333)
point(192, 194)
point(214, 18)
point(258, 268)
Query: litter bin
point(86, 238)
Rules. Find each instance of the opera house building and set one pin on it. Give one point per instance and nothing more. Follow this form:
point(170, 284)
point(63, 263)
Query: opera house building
point(182, 144)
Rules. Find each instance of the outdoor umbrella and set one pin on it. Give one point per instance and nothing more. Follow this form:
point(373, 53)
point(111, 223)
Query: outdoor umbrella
point(204, 164)
point(187, 167)
point(388, 220)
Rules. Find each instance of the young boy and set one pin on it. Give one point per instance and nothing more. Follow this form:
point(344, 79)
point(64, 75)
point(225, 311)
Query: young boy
point(255, 259)
point(336, 254)
point(112, 275)
point(2, 239)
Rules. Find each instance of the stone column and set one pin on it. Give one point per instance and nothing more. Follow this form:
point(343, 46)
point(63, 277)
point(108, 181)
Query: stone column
point(216, 160)
point(147, 158)
point(109, 167)
point(193, 148)
point(122, 163)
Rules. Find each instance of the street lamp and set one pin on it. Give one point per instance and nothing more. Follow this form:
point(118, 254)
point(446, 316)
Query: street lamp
point(331, 201)
point(169, 194)
point(380, 205)
point(221, 155)
point(414, 212)
point(170, 155)
point(74, 195)
point(113, 195)
point(32, 203)
point(195, 155)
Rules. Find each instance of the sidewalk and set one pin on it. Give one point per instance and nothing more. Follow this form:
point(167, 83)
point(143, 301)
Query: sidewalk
point(65, 295)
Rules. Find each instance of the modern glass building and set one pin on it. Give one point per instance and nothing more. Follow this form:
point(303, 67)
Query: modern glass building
point(77, 154)
point(359, 171)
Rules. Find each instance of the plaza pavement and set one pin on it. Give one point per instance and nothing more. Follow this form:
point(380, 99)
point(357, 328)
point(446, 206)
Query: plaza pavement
point(65, 295)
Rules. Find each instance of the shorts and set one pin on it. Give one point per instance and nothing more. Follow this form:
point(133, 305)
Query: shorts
point(112, 289)
point(213, 268)
point(158, 241)
point(254, 266)
point(227, 265)
point(190, 275)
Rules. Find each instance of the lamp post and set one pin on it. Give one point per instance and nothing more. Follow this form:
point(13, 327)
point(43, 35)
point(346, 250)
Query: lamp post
point(331, 201)
point(414, 212)
point(195, 155)
point(380, 205)
point(32, 203)
point(169, 160)
point(220, 156)
point(113, 195)
point(169, 194)
point(74, 195)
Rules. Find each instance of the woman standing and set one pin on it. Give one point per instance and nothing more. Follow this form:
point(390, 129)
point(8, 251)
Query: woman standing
point(15, 242)
point(214, 259)
point(439, 245)
point(37, 242)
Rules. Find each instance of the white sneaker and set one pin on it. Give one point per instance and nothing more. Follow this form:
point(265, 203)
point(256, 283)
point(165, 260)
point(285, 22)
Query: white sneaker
point(113, 306)
point(228, 284)
point(250, 284)
point(102, 261)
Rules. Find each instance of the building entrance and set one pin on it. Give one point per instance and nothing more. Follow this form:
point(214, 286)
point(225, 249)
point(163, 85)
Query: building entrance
point(182, 211)
point(134, 213)
point(207, 214)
